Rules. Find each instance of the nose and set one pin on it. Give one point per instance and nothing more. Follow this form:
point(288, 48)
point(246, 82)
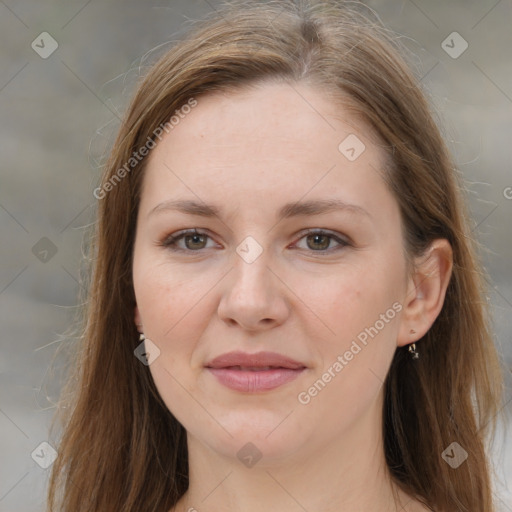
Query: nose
point(254, 297)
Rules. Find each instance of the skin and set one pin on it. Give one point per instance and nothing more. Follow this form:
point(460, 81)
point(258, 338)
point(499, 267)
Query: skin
point(249, 152)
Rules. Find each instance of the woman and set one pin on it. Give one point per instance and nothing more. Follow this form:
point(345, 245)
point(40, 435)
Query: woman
point(286, 312)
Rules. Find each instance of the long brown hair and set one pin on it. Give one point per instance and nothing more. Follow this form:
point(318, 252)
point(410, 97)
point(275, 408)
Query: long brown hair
point(121, 449)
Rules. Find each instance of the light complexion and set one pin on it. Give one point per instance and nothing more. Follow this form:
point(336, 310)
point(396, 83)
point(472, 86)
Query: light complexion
point(248, 154)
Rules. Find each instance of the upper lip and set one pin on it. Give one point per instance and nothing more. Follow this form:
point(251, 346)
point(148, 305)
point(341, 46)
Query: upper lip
point(256, 360)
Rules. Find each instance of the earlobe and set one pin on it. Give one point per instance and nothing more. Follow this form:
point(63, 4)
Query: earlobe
point(426, 292)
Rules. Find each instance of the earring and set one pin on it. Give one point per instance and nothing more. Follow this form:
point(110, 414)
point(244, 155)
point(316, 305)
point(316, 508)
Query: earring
point(412, 350)
point(142, 337)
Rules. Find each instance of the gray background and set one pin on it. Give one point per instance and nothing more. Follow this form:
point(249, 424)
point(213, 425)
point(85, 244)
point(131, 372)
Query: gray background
point(59, 115)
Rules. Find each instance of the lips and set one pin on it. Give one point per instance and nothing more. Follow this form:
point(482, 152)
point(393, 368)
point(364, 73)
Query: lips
point(257, 372)
point(253, 368)
point(254, 362)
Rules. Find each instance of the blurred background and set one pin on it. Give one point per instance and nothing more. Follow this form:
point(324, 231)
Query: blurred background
point(67, 69)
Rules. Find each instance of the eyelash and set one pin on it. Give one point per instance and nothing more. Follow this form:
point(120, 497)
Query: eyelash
point(171, 241)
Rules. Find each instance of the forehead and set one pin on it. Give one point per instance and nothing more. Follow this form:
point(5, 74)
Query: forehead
point(263, 143)
point(268, 115)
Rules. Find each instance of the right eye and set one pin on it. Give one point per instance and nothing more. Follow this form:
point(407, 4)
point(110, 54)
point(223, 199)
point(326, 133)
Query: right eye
point(193, 241)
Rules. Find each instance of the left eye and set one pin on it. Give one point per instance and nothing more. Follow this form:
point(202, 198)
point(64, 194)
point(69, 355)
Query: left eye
point(319, 241)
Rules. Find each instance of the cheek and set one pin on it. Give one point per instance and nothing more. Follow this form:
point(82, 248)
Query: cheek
point(167, 297)
point(362, 311)
point(175, 307)
point(173, 310)
point(361, 308)
point(351, 300)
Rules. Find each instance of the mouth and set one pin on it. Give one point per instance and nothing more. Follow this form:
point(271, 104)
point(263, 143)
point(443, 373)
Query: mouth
point(252, 373)
point(255, 368)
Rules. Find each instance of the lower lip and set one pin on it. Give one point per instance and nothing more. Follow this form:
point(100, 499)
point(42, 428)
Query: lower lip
point(253, 381)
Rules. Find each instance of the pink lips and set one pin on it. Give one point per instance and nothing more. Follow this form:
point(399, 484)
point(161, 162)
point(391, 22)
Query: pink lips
point(261, 371)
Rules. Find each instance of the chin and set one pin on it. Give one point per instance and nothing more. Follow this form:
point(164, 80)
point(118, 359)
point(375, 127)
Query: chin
point(258, 434)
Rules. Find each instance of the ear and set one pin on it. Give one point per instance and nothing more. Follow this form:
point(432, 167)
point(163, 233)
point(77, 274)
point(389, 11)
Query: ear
point(426, 291)
point(138, 321)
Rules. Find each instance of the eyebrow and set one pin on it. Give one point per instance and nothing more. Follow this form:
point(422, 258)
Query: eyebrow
point(300, 208)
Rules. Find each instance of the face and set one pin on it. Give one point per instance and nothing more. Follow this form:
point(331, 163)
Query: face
point(267, 272)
